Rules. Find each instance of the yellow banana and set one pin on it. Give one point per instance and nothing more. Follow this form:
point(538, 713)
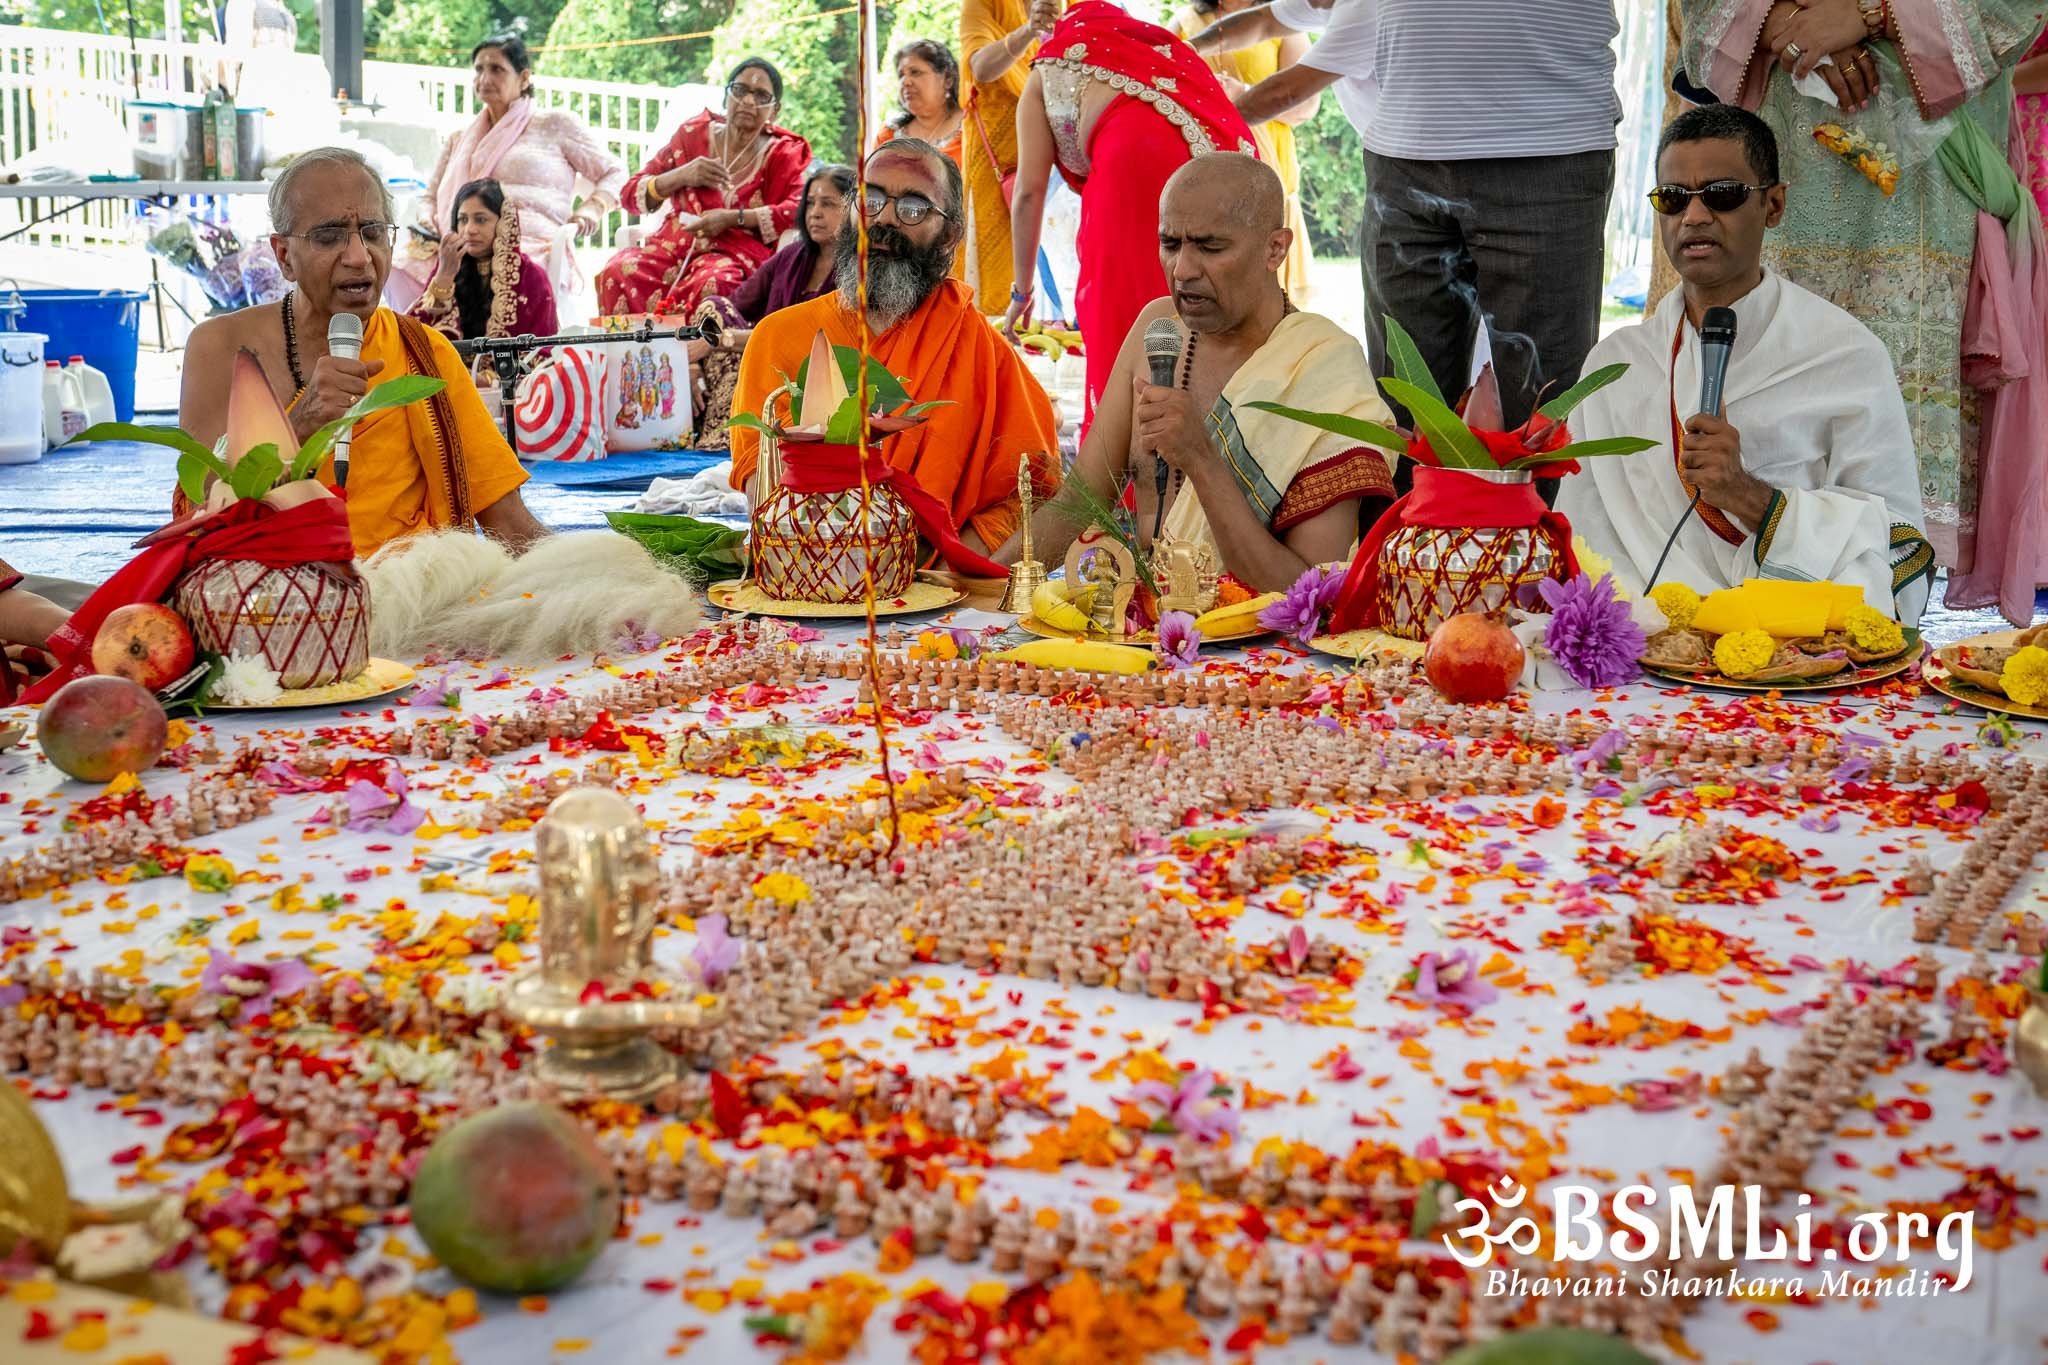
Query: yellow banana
point(1054, 608)
point(1238, 616)
point(1044, 342)
point(1086, 656)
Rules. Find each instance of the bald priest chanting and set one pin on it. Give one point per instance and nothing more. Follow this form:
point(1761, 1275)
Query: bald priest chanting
point(433, 465)
point(924, 328)
point(1809, 473)
point(1268, 495)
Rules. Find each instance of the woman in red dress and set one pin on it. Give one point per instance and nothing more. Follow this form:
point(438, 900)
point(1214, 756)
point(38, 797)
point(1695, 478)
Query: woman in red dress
point(732, 185)
point(1119, 105)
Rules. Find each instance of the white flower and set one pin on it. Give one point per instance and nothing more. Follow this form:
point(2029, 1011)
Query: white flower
point(246, 680)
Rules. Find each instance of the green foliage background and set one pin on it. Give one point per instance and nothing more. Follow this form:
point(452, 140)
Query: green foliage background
point(816, 57)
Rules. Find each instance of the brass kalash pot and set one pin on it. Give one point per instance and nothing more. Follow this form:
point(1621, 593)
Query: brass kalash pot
point(597, 996)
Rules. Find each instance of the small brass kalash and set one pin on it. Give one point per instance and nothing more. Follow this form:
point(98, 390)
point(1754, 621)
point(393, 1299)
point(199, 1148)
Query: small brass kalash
point(597, 995)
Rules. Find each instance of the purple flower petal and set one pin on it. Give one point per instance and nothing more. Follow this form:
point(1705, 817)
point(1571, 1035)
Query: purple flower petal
point(1591, 634)
point(1299, 615)
point(716, 951)
point(1180, 644)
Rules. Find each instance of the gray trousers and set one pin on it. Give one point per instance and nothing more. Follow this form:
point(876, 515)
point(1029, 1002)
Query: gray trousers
point(66, 593)
point(1517, 241)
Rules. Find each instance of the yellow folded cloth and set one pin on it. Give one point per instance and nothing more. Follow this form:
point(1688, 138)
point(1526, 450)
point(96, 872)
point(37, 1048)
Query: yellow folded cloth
point(1785, 611)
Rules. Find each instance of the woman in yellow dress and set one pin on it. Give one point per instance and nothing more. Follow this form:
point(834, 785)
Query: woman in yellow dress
point(998, 39)
point(1241, 70)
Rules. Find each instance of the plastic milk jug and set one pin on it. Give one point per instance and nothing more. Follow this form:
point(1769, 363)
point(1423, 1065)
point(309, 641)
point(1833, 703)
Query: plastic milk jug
point(96, 395)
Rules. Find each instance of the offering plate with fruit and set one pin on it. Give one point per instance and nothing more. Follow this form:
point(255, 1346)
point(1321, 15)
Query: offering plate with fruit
point(1769, 635)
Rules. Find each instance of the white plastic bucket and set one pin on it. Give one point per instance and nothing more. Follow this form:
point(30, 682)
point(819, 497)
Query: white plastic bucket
point(21, 396)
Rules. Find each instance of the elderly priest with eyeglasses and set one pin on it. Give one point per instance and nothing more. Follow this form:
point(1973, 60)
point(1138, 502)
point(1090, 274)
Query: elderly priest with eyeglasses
point(924, 329)
point(1808, 471)
point(429, 466)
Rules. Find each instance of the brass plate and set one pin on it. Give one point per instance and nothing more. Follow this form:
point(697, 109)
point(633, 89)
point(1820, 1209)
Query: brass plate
point(35, 1201)
point(1941, 680)
point(379, 678)
point(741, 596)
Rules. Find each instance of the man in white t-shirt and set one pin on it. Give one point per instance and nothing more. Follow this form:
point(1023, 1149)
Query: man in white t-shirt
point(1342, 58)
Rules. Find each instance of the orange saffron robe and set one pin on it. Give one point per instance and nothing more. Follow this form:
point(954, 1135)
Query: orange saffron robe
point(965, 454)
point(430, 465)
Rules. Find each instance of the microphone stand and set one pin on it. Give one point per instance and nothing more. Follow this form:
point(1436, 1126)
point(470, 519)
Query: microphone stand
point(506, 351)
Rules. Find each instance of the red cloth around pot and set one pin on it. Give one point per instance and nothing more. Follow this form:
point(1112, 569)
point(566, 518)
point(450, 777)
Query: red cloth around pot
point(821, 467)
point(1448, 498)
point(308, 533)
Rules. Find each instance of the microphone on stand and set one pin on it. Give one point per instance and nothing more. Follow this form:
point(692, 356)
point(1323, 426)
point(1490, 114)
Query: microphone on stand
point(344, 342)
point(1164, 339)
point(1717, 340)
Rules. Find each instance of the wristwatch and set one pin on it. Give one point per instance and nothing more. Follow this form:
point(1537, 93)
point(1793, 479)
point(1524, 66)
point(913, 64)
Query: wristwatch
point(1874, 15)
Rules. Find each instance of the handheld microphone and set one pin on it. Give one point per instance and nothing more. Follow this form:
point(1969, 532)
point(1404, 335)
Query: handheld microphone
point(1717, 340)
point(1164, 339)
point(344, 342)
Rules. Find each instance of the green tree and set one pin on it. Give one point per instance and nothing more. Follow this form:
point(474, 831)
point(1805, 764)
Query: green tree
point(441, 32)
point(817, 57)
point(589, 40)
point(1332, 180)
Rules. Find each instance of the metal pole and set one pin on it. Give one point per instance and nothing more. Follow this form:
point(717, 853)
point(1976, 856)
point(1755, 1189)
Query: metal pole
point(341, 45)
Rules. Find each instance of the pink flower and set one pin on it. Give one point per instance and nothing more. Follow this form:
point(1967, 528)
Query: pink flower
point(254, 984)
point(1180, 644)
point(1453, 981)
point(371, 807)
point(716, 952)
point(1196, 1106)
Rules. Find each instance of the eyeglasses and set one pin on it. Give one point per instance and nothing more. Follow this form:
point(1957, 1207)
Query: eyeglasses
point(1723, 196)
point(753, 94)
point(334, 236)
point(911, 209)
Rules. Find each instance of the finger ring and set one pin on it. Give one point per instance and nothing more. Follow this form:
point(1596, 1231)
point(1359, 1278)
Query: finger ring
point(1794, 51)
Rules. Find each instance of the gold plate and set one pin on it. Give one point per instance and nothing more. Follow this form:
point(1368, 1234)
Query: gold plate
point(379, 678)
point(1031, 625)
point(1937, 676)
point(35, 1202)
point(1834, 682)
point(738, 594)
point(1359, 644)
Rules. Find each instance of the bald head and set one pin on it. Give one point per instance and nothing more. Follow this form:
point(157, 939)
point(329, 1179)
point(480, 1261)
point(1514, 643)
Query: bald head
point(1222, 239)
point(1234, 185)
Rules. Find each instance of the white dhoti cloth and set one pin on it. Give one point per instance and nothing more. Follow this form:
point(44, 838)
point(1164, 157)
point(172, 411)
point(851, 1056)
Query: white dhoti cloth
point(1814, 397)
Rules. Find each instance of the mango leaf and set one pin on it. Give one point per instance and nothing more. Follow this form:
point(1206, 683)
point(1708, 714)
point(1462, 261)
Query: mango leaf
point(195, 461)
point(749, 421)
point(1409, 366)
point(1450, 438)
point(256, 472)
point(920, 409)
point(392, 393)
point(1586, 450)
point(1560, 407)
point(1357, 428)
point(1426, 1211)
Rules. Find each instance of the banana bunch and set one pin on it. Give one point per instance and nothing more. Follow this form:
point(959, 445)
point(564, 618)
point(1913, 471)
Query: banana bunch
point(1051, 341)
point(1239, 618)
point(1085, 656)
point(1053, 607)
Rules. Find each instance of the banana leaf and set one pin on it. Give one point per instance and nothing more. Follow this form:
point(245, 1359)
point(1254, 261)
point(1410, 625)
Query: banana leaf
point(701, 551)
point(195, 461)
point(1357, 428)
point(1455, 445)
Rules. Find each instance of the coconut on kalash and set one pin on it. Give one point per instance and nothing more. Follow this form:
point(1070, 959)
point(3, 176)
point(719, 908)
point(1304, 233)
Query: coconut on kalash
point(252, 600)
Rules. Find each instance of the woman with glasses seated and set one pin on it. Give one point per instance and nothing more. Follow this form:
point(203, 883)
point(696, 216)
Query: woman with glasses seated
point(732, 186)
point(484, 287)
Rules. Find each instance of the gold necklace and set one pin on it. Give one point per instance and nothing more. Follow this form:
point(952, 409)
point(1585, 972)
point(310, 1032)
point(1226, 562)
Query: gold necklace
point(732, 170)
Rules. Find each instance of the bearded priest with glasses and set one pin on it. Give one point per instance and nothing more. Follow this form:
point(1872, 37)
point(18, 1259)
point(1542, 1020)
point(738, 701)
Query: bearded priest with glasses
point(1808, 471)
point(922, 327)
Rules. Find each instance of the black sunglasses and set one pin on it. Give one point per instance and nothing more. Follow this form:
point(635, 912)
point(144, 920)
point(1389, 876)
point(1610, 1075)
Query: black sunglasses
point(1723, 196)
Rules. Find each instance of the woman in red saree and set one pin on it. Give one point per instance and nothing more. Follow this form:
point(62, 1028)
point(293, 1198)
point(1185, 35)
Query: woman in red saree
point(1119, 105)
point(732, 185)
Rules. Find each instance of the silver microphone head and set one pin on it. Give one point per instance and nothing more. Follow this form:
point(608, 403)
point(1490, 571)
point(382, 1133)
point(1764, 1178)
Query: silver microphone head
point(345, 336)
point(1164, 338)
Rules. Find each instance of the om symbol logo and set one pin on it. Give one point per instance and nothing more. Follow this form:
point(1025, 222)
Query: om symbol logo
point(1522, 1235)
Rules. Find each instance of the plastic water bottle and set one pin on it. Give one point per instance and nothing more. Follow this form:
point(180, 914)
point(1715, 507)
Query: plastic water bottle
point(96, 395)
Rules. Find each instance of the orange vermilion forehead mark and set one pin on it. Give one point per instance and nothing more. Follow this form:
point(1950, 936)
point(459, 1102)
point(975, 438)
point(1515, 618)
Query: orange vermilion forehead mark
point(912, 162)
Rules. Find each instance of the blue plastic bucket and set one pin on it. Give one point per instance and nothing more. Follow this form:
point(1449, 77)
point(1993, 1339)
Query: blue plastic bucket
point(105, 328)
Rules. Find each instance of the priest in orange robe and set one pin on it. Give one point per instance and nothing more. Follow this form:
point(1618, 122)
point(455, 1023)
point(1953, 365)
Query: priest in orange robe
point(923, 327)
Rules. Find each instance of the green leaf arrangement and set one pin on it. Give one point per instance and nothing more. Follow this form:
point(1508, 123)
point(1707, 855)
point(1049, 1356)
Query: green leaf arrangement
point(884, 390)
point(262, 467)
point(1449, 436)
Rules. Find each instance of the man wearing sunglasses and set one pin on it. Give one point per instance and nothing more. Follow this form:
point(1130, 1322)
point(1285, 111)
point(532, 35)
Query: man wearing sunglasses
point(1808, 471)
point(430, 466)
point(922, 327)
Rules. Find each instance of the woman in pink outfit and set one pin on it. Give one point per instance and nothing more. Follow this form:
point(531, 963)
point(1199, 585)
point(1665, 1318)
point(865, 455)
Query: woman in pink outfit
point(2030, 119)
point(553, 168)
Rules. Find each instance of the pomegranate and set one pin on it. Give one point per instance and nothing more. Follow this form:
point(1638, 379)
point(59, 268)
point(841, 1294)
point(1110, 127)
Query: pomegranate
point(97, 728)
point(1473, 657)
point(144, 642)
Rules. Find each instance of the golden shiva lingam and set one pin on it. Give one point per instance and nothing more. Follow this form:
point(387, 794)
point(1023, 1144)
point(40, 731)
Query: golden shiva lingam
point(597, 996)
